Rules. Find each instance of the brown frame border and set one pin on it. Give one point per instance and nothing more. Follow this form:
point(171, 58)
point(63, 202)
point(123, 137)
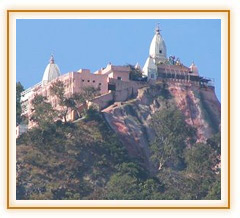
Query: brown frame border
point(113, 207)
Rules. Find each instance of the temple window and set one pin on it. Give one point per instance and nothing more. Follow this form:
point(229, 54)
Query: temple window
point(119, 78)
point(160, 51)
point(88, 81)
point(82, 80)
point(93, 81)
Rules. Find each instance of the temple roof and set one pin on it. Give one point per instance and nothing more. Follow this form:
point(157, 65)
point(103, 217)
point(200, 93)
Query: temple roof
point(194, 69)
point(158, 48)
point(149, 66)
point(51, 71)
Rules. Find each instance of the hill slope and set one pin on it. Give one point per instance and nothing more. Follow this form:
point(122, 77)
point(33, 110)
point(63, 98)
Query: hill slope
point(164, 144)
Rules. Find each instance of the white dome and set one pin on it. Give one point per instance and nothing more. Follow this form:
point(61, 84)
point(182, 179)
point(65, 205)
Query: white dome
point(158, 49)
point(51, 72)
point(194, 69)
point(137, 66)
point(150, 68)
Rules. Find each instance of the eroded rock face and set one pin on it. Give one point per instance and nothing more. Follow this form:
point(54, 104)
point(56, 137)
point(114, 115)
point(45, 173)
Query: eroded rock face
point(131, 119)
point(200, 107)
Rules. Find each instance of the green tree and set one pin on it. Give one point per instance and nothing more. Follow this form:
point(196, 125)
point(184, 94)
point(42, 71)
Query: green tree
point(152, 189)
point(73, 102)
point(79, 100)
point(176, 185)
point(42, 112)
point(126, 184)
point(133, 182)
point(123, 187)
point(89, 92)
point(201, 161)
point(172, 135)
point(215, 143)
point(58, 90)
point(19, 89)
point(135, 73)
point(215, 190)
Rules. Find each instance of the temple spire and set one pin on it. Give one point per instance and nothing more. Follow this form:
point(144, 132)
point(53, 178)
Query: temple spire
point(51, 71)
point(157, 55)
point(157, 29)
point(51, 60)
point(158, 50)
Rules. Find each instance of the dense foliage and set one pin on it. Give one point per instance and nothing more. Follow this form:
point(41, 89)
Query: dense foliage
point(136, 74)
point(83, 160)
point(66, 160)
point(187, 170)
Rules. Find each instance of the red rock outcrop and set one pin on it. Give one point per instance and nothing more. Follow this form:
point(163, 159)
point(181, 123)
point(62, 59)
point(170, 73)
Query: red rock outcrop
point(130, 119)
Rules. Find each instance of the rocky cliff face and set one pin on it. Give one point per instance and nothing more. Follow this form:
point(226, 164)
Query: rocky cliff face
point(131, 119)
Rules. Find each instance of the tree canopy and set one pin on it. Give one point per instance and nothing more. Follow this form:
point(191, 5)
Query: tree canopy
point(72, 102)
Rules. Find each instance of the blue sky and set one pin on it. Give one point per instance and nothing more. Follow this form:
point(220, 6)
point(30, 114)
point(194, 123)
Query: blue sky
point(92, 44)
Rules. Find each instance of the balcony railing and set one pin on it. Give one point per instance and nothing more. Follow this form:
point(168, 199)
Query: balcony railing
point(30, 89)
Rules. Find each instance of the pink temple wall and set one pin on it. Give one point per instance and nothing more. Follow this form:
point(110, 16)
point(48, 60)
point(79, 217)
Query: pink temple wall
point(115, 72)
point(125, 89)
point(102, 101)
point(83, 79)
point(75, 81)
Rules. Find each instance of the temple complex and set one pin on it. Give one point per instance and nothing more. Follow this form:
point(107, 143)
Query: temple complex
point(113, 82)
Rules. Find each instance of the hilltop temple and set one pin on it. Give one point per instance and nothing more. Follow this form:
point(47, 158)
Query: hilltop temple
point(158, 66)
point(113, 82)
